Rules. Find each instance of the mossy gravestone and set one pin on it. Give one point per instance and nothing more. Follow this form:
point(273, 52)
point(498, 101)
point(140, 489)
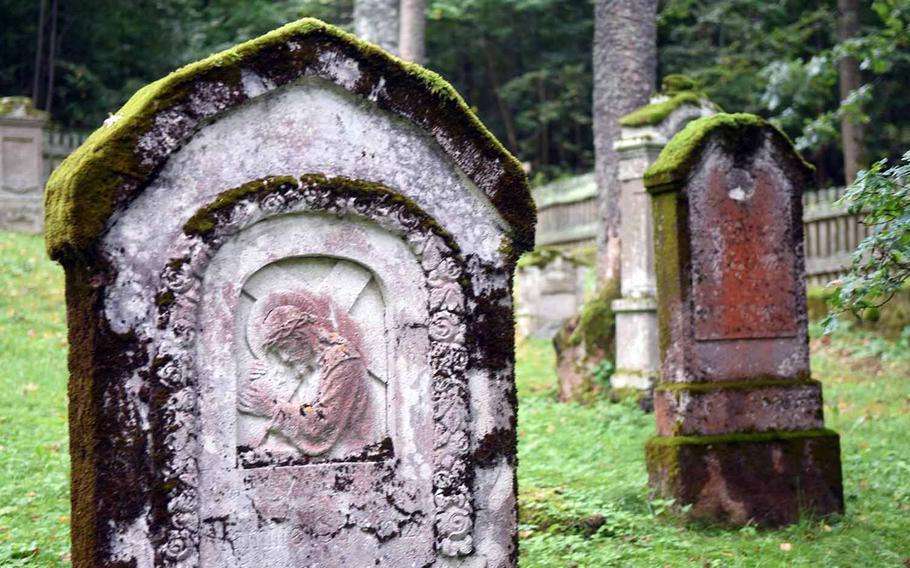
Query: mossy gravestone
point(741, 435)
point(288, 273)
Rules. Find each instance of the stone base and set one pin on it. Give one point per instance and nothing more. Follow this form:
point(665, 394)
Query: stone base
point(769, 479)
point(22, 214)
point(718, 408)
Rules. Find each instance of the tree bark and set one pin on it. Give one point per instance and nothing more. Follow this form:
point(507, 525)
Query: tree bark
point(412, 36)
point(376, 21)
point(625, 70)
point(51, 57)
point(39, 55)
point(851, 129)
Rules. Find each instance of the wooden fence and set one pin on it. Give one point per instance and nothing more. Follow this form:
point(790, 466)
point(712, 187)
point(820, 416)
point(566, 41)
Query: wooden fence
point(567, 217)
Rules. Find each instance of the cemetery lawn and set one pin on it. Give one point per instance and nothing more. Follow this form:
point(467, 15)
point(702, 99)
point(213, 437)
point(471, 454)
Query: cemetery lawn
point(581, 472)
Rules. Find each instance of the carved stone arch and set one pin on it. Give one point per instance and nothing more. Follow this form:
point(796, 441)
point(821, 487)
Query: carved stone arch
point(177, 373)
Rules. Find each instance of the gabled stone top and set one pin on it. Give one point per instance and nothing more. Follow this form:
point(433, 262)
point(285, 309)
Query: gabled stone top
point(676, 160)
point(20, 107)
point(676, 91)
point(119, 159)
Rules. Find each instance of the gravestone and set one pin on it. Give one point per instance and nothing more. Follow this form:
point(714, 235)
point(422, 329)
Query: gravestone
point(741, 434)
point(21, 164)
point(288, 274)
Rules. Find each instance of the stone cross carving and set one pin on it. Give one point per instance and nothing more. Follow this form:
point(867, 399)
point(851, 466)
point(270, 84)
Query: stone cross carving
point(288, 271)
point(741, 435)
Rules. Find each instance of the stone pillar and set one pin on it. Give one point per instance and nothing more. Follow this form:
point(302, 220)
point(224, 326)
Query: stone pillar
point(640, 143)
point(740, 431)
point(21, 167)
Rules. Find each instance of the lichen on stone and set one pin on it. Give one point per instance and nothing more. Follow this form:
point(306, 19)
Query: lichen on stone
point(678, 157)
point(119, 159)
point(543, 256)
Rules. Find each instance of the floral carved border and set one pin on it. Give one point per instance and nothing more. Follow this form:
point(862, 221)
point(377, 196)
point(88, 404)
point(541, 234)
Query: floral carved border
point(173, 370)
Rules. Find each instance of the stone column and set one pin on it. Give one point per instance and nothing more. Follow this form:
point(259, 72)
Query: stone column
point(636, 312)
point(741, 434)
point(21, 168)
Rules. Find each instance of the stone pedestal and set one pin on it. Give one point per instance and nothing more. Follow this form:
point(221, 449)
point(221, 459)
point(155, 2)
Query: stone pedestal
point(741, 434)
point(21, 168)
point(636, 312)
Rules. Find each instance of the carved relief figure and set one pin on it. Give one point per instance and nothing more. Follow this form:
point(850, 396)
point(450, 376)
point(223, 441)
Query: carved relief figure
point(317, 342)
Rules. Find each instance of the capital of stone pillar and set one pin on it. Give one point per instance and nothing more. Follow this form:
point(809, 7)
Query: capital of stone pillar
point(21, 165)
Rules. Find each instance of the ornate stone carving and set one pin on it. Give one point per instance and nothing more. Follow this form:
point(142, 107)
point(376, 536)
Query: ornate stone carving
point(292, 325)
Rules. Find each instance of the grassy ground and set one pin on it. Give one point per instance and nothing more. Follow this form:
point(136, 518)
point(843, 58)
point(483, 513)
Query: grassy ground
point(581, 474)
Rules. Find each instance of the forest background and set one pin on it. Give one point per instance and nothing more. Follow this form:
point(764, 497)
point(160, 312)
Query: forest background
point(525, 66)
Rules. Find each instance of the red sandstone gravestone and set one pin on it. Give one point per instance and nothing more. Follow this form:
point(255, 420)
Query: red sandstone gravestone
point(288, 273)
point(741, 434)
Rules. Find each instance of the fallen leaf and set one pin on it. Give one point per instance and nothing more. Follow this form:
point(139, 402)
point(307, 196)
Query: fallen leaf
point(786, 546)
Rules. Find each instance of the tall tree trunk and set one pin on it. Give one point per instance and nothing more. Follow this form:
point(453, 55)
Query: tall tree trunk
point(625, 69)
point(504, 112)
point(412, 36)
point(51, 55)
point(851, 129)
point(377, 21)
point(39, 55)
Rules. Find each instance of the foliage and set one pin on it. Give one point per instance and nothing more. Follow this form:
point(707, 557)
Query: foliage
point(881, 263)
point(526, 66)
point(779, 60)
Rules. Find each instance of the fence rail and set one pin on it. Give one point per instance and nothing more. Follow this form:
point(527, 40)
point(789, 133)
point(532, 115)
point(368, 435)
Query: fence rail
point(57, 145)
point(567, 217)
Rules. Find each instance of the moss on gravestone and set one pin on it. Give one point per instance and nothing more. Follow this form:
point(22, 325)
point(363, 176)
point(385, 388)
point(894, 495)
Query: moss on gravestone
point(119, 159)
point(678, 157)
point(9, 105)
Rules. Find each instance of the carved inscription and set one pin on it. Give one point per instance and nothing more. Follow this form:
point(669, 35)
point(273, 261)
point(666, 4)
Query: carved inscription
point(744, 280)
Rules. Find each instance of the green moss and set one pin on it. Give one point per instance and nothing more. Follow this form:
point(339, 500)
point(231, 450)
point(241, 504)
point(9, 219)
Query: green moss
point(205, 220)
point(678, 157)
point(110, 168)
point(655, 113)
point(543, 256)
point(738, 438)
point(750, 384)
point(676, 83)
point(597, 322)
point(669, 231)
point(9, 104)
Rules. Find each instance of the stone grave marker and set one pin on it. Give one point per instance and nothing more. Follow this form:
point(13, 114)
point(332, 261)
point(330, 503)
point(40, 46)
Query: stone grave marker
point(288, 273)
point(21, 175)
point(741, 434)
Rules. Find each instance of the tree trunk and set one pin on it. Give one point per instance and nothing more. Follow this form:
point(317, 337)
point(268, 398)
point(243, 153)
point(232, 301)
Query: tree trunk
point(376, 21)
point(625, 69)
point(851, 129)
point(412, 38)
point(51, 57)
point(39, 56)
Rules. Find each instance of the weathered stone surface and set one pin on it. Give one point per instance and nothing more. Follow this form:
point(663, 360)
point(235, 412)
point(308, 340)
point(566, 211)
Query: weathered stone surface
point(715, 408)
point(21, 165)
point(767, 479)
point(291, 338)
point(740, 422)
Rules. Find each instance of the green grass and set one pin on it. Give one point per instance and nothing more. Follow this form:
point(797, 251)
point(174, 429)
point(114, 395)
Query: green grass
point(581, 474)
point(34, 463)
